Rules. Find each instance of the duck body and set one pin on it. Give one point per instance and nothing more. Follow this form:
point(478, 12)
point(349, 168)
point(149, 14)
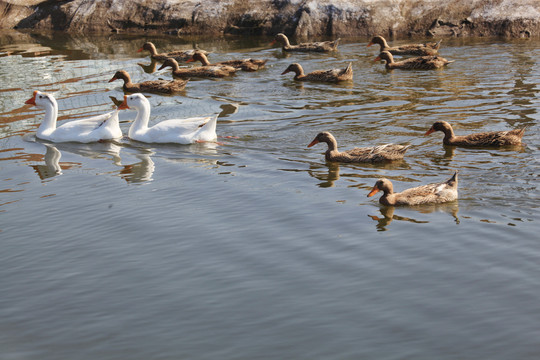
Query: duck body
point(373, 154)
point(179, 131)
point(408, 49)
point(153, 86)
point(244, 65)
point(322, 46)
point(211, 71)
point(333, 75)
point(436, 193)
point(97, 128)
point(416, 63)
point(180, 55)
point(492, 138)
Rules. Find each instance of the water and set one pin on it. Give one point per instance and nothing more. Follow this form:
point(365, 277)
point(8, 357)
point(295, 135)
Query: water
point(254, 247)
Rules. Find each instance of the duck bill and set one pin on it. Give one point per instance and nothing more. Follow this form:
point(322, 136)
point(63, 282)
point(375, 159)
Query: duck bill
point(313, 143)
point(32, 100)
point(370, 43)
point(285, 72)
point(114, 78)
point(123, 105)
point(141, 49)
point(190, 60)
point(378, 58)
point(273, 42)
point(162, 67)
point(431, 130)
point(373, 192)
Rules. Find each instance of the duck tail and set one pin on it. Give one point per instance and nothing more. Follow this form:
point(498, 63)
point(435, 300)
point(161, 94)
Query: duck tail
point(454, 179)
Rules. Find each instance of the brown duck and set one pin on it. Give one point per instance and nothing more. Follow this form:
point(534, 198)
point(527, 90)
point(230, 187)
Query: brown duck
point(212, 71)
point(333, 75)
point(387, 152)
point(416, 63)
point(179, 55)
point(408, 49)
point(426, 194)
point(244, 65)
point(322, 46)
point(492, 138)
point(154, 86)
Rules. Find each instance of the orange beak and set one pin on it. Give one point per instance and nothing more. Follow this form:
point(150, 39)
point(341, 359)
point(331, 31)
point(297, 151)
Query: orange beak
point(431, 130)
point(313, 143)
point(373, 191)
point(190, 60)
point(32, 100)
point(370, 43)
point(114, 78)
point(273, 42)
point(124, 105)
point(141, 49)
point(378, 58)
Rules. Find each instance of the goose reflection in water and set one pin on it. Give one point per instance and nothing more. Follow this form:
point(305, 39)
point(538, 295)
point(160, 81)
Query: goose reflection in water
point(139, 172)
point(52, 166)
point(388, 215)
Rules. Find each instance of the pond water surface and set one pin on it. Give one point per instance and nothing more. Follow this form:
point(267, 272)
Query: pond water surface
point(254, 247)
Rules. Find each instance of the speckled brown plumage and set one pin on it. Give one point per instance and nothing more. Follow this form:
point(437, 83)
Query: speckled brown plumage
point(212, 71)
point(373, 154)
point(407, 49)
point(154, 86)
point(180, 55)
point(244, 65)
point(333, 75)
point(322, 46)
point(416, 63)
point(492, 138)
point(426, 194)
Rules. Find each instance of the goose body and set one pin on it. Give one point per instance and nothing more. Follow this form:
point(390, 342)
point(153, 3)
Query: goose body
point(333, 75)
point(408, 49)
point(180, 131)
point(373, 154)
point(416, 63)
point(492, 138)
point(322, 46)
point(179, 55)
point(436, 193)
point(97, 128)
point(244, 65)
point(153, 86)
point(211, 71)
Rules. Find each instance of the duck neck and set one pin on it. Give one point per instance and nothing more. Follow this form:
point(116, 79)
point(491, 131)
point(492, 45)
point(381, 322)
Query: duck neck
point(141, 121)
point(285, 42)
point(448, 136)
point(204, 60)
point(48, 125)
point(332, 148)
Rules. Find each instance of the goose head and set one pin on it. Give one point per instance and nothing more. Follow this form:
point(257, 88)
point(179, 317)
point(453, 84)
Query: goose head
point(41, 99)
point(135, 101)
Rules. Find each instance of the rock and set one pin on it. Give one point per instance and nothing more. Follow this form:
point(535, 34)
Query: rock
point(300, 18)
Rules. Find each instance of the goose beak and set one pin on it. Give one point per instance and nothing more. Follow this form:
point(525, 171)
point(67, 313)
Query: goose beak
point(431, 130)
point(373, 191)
point(313, 143)
point(32, 100)
point(124, 105)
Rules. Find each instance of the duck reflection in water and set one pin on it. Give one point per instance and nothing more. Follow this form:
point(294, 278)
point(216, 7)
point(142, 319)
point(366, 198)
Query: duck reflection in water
point(388, 215)
point(149, 68)
point(327, 178)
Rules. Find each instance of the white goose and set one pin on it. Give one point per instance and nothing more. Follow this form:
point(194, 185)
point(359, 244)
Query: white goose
point(101, 127)
point(180, 131)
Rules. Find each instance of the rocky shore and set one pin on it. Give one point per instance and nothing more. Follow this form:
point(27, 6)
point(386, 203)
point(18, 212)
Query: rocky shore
point(300, 18)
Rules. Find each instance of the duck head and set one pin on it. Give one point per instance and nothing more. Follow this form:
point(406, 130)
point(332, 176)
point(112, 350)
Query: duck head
point(169, 63)
point(383, 185)
point(385, 55)
point(121, 75)
point(149, 47)
point(324, 136)
point(439, 126)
